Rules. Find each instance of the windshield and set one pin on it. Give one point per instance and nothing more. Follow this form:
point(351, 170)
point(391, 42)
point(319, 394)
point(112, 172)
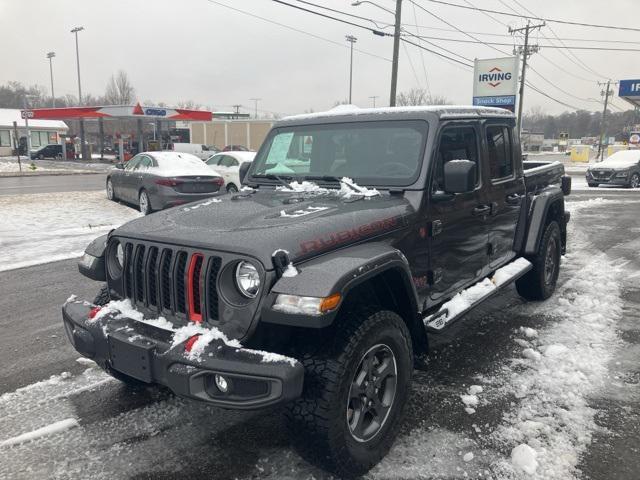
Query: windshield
point(371, 153)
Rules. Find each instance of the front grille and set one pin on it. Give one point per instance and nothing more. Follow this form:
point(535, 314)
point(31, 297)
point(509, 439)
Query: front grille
point(171, 281)
point(602, 174)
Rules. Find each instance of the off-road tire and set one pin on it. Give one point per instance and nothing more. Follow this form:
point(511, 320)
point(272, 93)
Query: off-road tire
point(318, 420)
point(102, 298)
point(593, 184)
point(538, 283)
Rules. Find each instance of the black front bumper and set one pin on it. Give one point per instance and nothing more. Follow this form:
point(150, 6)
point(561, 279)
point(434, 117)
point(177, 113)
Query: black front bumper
point(144, 352)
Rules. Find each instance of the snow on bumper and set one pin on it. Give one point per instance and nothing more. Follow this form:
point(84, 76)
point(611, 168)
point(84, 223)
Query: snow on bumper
point(150, 354)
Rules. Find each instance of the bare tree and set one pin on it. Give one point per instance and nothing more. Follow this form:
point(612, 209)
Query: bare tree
point(119, 90)
point(419, 96)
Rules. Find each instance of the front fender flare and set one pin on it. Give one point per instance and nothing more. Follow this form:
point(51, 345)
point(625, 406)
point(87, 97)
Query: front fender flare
point(337, 272)
point(92, 264)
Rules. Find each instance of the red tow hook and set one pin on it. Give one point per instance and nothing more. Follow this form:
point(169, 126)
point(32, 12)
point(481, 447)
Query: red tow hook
point(93, 312)
point(188, 345)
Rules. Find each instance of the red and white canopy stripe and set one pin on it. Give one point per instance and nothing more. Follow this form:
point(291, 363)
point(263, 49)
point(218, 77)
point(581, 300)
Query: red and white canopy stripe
point(118, 111)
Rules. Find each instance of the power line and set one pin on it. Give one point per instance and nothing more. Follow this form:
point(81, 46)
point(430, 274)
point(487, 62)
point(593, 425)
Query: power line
point(553, 20)
point(289, 27)
point(424, 68)
point(535, 89)
point(372, 30)
point(377, 23)
point(437, 53)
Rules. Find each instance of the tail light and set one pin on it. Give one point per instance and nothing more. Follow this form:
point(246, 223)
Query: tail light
point(168, 182)
point(218, 181)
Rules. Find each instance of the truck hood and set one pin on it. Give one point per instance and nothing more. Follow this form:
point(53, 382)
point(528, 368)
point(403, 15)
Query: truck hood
point(258, 223)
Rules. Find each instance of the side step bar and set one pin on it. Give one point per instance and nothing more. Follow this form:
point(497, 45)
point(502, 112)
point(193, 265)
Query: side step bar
point(467, 299)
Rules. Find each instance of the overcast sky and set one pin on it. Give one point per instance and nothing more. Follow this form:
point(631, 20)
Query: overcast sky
point(198, 50)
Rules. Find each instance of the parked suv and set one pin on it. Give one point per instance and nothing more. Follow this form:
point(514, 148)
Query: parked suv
point(622, 169)
point(319, 285)
point(48, 151)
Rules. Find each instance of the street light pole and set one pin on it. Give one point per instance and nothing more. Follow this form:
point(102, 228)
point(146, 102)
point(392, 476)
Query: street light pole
point(82, 146)
point(351, 39)
point(50, 56)
point(396, 53)
point(26, 126)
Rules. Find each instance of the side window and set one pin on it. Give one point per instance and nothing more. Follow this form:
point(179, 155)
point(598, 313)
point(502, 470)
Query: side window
point(233, 162)
point(499, 147)
point(456, 143)
point(144, 163)
point(131, 164)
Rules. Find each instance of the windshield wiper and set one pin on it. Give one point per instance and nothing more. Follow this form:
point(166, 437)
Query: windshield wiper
point(284, 181)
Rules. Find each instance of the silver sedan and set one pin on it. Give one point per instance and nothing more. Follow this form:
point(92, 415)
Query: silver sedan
point(158, 180)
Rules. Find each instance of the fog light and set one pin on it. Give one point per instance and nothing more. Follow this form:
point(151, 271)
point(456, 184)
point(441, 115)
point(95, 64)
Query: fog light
point(222, 383)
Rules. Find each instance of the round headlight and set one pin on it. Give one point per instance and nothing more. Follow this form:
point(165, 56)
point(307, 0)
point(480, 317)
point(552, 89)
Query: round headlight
point(115, 259)
point(120, 255)
point(247, 279)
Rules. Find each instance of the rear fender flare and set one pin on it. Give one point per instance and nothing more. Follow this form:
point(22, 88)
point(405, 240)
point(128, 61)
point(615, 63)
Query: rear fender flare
point(538, 212)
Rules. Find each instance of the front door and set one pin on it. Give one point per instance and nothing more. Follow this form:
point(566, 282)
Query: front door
point(459, 222)
point(506, 192)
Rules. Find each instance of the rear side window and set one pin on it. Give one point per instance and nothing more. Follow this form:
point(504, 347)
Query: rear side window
point(456, 143)
point(499, 147)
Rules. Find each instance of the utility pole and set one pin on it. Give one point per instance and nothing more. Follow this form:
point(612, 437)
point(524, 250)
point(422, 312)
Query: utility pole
point(82, 146)
point(373, 98)
point(256, 100)
point(237, 107)
point(50, 55)
point(25, 115)
point(605, 93)
point(526, 51)
point(351, 39)
point(396, 52)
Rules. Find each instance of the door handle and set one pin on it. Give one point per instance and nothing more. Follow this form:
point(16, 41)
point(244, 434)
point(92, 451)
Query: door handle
point(482, 210)
point(513, 199)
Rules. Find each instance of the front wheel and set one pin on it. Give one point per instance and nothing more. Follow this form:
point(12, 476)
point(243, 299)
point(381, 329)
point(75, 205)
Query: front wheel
point(144, 203)
point(539, 283)
point(355, 393)
point(635, 181)
point(110, 193)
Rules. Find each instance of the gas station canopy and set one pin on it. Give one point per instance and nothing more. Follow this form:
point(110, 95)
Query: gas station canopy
point(118, 112)
point(629, 90)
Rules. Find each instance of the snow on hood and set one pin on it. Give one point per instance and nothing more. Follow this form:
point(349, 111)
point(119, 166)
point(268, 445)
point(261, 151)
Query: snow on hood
point(348, 188)
point(622, 159)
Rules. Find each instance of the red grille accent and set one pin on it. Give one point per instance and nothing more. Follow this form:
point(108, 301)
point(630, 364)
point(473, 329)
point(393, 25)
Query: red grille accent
point(194, 281)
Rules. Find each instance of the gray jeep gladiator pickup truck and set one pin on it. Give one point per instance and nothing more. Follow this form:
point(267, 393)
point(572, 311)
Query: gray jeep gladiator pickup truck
point(357, 235)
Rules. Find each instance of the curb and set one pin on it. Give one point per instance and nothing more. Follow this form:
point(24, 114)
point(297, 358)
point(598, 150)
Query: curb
point(50, 173)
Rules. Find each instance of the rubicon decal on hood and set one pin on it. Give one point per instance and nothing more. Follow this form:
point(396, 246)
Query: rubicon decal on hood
point(349, 236)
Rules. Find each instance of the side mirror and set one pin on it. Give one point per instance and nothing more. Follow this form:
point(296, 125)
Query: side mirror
point(119, 166)
point(459, 176)
point(242, 171)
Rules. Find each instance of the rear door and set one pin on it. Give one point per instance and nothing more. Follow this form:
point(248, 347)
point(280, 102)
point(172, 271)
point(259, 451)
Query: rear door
point(505, 190)
point(459, 223)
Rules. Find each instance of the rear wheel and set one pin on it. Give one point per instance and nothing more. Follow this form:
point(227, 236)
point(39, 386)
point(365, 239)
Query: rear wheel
point(355, 393)
point(231, 188)
point(635, 181)
point(144, 203)
point(41, 157)
point(539, 283)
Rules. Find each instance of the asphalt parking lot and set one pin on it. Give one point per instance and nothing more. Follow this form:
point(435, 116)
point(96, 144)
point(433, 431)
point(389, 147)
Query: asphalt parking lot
point(148, 433)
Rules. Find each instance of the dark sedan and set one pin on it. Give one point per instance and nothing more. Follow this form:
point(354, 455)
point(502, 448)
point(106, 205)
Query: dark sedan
point(158, 180)
point(48, 151)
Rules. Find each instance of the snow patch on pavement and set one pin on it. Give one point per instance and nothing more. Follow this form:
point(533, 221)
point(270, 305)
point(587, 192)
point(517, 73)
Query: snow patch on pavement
point(567, 363)
point(52, 429)
point(46, 227)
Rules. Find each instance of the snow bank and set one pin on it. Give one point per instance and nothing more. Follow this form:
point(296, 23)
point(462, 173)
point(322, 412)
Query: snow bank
point(553, 421)
point(47, 227)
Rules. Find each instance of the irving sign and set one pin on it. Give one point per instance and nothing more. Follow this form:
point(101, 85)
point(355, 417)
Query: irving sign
point(495, 82)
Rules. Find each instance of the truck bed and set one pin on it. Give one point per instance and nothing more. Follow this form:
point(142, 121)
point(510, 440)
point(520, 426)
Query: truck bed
point(538, 175)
